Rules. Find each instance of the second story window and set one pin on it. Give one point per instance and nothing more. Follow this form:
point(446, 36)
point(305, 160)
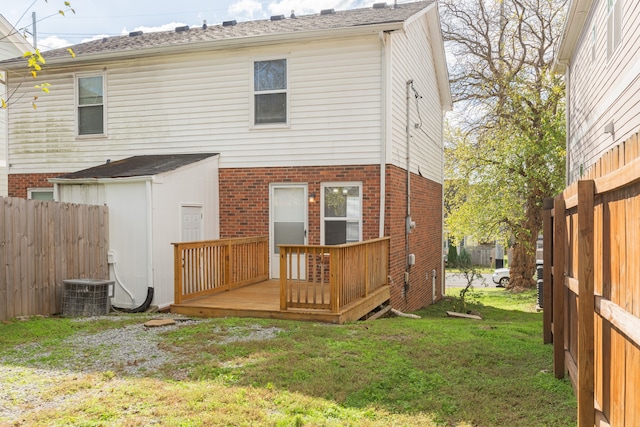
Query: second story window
point(91, 105)
point(614, 25)
point(270, 92)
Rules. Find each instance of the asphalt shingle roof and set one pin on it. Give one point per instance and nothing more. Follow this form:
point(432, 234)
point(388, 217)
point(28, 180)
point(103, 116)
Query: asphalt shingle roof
point(218, 33)
point(138, 166)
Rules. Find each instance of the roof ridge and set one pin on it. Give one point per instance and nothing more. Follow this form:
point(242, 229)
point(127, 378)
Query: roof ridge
point(293, 27)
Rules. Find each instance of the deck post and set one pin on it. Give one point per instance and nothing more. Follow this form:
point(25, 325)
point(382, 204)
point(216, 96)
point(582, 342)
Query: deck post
point(227, 264)
point(335, 263)
point(586, 303)
point(177, 274)
point(283, 278)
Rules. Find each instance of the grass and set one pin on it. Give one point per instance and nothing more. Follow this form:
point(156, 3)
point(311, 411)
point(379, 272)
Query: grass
point(434, 371)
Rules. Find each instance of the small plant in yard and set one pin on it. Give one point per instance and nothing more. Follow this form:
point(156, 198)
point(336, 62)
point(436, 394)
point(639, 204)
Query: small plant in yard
point(433, 371)
point(470, 273)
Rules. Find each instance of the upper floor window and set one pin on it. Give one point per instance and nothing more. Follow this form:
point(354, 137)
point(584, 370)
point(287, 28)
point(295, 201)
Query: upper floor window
point(270, 92)
point(614, 25)
point(341, 213)
point(90, 105)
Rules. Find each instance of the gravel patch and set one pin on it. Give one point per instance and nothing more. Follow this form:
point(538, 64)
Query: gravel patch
point(132, 350)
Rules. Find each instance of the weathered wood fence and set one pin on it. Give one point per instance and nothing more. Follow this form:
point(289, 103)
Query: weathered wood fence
point(43, 243)
point(592, 287)
point(211, 266)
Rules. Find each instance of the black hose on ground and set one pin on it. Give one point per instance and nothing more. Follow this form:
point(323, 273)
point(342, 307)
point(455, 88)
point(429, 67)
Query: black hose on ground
point(140, 309)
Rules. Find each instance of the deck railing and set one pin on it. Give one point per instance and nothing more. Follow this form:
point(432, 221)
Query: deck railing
point(331, 277)
point(212, 266)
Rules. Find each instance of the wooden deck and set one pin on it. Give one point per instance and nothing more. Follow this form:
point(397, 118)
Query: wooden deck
point(262, 300)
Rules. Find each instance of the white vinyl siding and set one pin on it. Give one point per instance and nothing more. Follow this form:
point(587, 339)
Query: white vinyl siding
point(603, 91)
point(412, 59)
point(201, 102)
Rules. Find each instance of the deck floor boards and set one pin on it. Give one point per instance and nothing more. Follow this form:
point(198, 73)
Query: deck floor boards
point(262, 300)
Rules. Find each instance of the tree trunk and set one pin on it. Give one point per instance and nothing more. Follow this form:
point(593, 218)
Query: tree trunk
point(523, 265)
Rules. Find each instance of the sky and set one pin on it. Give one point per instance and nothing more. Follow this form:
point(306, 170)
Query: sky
point(95, 19)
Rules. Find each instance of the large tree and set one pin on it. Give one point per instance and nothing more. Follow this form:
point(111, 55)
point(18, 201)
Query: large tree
point(505, 145)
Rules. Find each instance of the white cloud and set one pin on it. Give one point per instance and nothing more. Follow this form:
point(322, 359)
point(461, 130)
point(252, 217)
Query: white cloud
point(52, 42)
point(304, 7)
point(164, 27)
point(246, 10)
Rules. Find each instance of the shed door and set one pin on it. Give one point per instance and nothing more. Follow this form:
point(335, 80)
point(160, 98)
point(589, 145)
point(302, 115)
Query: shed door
point(288, 223)
point(191, 227)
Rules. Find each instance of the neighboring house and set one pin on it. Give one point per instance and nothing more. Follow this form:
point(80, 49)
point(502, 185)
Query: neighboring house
point(311, 116)
point(600, 57)
point(12, 44)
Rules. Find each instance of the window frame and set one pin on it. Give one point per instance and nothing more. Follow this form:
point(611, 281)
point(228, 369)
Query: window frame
point(346, 219)
point(614, 26)
point(40, 190)
point(253, 93)
point(77, 78)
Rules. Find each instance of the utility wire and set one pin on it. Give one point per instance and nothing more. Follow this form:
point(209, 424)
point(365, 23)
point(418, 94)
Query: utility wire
point(418, 125)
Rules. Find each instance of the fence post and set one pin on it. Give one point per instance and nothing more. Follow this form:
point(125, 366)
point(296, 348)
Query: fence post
point(559, 291)
point(586, 302)
point(547, 254)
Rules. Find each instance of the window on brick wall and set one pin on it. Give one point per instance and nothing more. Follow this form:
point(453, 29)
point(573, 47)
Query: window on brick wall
point(40, 194)
point(341, 212)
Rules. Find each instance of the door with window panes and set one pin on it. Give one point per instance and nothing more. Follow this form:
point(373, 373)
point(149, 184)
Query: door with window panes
point(288, 225)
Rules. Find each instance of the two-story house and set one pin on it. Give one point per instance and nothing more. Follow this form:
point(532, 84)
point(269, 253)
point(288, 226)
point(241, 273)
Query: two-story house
point(328, 126)
point(599, 55)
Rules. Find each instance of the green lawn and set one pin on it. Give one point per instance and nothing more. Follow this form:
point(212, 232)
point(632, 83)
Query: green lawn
point(393, 371)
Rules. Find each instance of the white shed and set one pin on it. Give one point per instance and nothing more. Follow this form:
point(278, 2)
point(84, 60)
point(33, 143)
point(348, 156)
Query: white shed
point(153, 201)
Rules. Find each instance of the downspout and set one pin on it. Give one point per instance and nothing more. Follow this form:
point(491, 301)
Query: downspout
point(568, 124)
point(408, 217)
point(149, 234)
point(442, 274)
point(5, 84)
point(384, 54)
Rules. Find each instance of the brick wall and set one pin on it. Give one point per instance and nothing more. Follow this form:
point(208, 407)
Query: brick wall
point(244, 197)
point(19, 183)
point(244, 211)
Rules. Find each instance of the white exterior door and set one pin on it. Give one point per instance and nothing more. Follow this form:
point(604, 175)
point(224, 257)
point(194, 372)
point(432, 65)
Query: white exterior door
point(288, 223)
point(191, 223)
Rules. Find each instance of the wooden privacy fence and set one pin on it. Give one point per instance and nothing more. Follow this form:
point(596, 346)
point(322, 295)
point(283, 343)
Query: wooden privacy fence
point(331, 277)
point(44, 243)
point(592, 288)
point(208, 267)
